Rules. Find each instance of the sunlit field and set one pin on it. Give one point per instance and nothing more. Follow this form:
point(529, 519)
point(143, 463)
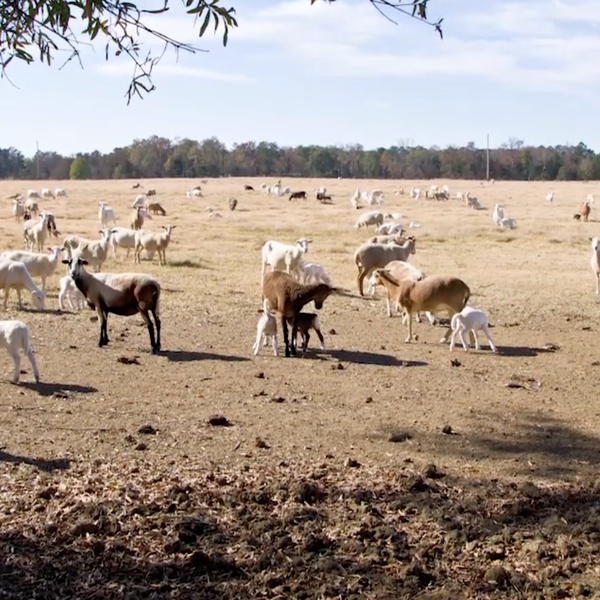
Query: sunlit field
point(530, 412)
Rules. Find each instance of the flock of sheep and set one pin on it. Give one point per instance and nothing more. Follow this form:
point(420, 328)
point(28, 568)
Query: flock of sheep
point(289, 283)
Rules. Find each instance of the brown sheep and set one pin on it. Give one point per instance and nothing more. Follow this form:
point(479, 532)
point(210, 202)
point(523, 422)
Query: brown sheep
point(434, 293)
point(304, 323)
point(584, 211)
point(155, 208)
point(287, 297)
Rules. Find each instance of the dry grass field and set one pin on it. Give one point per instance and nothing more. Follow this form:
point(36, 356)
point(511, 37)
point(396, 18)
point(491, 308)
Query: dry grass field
point(327, 418)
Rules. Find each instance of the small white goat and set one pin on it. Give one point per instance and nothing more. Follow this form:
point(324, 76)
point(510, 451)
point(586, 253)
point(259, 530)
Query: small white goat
point(498, 214)
point(595, 262)
point(266, 328)
point(283, 257)
point(470, 320)
point(14, 337)
point(106, 215)
point(68, 292)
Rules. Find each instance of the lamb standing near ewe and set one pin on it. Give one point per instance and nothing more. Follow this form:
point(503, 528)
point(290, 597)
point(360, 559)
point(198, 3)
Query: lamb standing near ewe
point(14, 337)
point(435, 293)
point(266, 329)
point(470, 320)
point(287, 297)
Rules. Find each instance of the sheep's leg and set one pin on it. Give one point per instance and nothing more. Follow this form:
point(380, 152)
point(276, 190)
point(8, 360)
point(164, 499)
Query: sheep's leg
point(274, 344)
point(20, 302)
point(409, 325)
point(388, 305)
point(597, 283)
point(461, 333)
point(103, 317)
point(157, 323)
point(486, 332)
point(473, 333)
point(6, 297)
point(34, 367)
point(453, 339)
point(256, 345)
point(17, 360)
point(286, 340)
point(361, 275)
point(294, 337)
point(320, 336)
point(444, 340)
point(148, 322)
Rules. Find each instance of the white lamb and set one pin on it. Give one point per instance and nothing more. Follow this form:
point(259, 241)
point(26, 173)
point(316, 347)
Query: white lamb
point(122, 237)
point(312, 273)
point(14, 275)
point(14, 337)
point(595, 261)
point(470, 320)
point(389, 228)
point(266, 328)
point(283, 257)
point(106, 215)
point(69, 292)
point(498, 214)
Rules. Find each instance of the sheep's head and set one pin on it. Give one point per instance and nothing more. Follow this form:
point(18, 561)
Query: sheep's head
point(303, 243)
point(37, 298)
point(75, 266)
point(595, 243)
point(321, 294)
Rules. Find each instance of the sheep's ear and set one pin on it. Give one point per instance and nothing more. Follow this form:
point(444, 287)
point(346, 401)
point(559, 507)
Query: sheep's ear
point(65, 261)
point(83, 261)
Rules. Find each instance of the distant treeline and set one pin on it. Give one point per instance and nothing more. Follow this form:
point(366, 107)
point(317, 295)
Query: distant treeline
point(161, 157)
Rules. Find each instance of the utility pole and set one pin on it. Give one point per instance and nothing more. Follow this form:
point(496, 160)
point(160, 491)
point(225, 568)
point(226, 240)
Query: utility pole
point(487, 159)
point(37, 159)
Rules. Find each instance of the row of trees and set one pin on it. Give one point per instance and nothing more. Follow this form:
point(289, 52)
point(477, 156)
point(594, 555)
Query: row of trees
point(160, 157)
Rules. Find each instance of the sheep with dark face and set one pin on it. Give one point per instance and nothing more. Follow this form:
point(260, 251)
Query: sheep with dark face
point(124, 294)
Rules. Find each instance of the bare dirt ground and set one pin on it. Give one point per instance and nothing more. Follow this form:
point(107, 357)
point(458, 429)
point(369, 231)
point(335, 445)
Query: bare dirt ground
point(323, 485)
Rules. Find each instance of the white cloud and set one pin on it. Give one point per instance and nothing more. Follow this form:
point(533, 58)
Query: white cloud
point(119, 69)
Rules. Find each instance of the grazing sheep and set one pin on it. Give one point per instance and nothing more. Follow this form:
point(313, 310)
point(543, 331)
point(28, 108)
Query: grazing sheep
point(312, 273)
point(232, 203)
point(60, 193)
point(105, 215)
point(507, 223)
point(433, 294)
point(297, 195)
point(389, 228)
point(470, 320)
point(33, 194)
point(14, 337)
point(395, 238)
point(151, 192)
point(68, 292)
point(14, 275)
point(355, 199)
point(595, 261)
point(153, 242)
point(47, 194)
point(304, 322)
point(136, 186)
point(38, 265)
point(156, 209)
point(212, 214)
point(124, 294)
point(32, 207)
point(584, 211)
point(248, 188)
point(287, 297)
point(473, 203)
point(283, 256)
point(374, 256)
point(266, 328)
point(373, 217)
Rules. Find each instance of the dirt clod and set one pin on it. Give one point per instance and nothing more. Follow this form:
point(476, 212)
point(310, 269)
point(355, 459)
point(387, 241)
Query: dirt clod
point(399, 436)
point(128, 360)
point(219, 421)
point(447, 429)
point(147, 429)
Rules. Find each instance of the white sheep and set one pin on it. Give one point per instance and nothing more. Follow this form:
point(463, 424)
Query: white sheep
point(18, 210)
point(60, 193)
point(266, 328)
point(33, 194)
point(38, 264)
point(36, 232)
point(94, 251)
point(122, 237)
point(47, 193)
point(140, 201)
point(389, 228)
point(595, 261)
point(507, 223)
point(106, 215)
point(498, 214)
point(550, 196)
point(309, 273)
point(470, 320)
point(14, 275)
point(153, 242)
point(14, 337)
point(355, 199)
point(415, 193)
point(68, 292)
point(373, 217)
point(283, 257)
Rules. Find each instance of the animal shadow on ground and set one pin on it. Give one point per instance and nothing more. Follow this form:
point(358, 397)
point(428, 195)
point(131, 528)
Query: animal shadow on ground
point(521, 351)
point(192, 356)
point(59, 389)
point(50, 464)
point(540, 445)
point(373, 358)
point(43, 311)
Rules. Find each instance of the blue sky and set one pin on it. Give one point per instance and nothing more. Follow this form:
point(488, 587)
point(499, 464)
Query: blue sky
point(332, 74)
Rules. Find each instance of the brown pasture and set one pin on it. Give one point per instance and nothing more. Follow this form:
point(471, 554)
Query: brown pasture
point(535, 283)
point(315, 490)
